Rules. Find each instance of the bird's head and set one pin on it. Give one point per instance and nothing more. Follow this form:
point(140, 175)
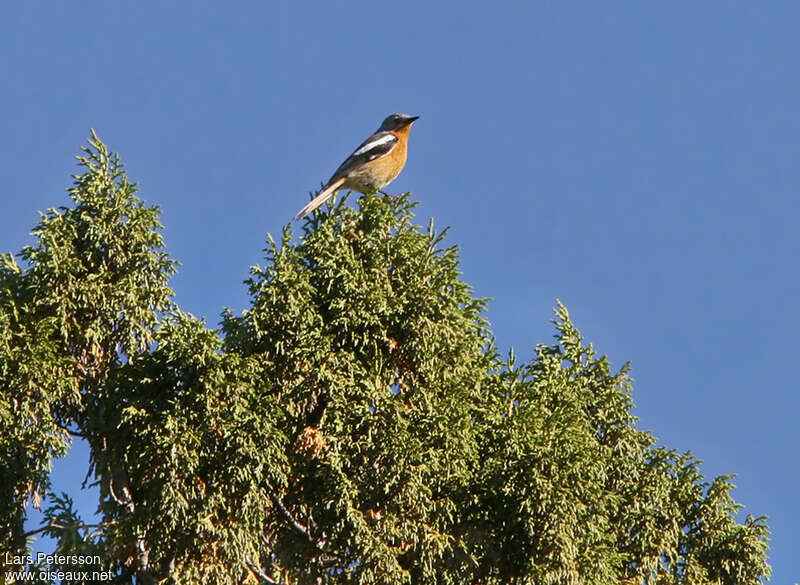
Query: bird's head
point(397, 122)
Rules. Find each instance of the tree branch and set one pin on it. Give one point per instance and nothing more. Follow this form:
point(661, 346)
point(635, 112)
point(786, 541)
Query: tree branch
point(261, 575)
point(70, 431)
point(42, 528)
point(54, 524)
point(288, 515)
point(119, 488)
point(294, 523)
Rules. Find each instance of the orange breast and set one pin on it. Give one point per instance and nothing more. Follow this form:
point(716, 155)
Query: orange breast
point(376, 174)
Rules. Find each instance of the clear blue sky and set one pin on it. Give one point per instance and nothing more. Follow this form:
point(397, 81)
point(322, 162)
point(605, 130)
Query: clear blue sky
point(638, 161)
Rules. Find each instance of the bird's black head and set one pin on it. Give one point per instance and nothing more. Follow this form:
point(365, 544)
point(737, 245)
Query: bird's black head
point(396, 121)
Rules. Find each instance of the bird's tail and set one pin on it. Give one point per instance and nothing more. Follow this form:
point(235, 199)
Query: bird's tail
point(321, 198)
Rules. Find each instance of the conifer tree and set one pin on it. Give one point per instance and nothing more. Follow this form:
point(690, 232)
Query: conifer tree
point(355, 424)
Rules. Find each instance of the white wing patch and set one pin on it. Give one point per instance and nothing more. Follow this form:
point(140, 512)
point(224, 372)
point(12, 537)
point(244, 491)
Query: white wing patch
point(380, 141)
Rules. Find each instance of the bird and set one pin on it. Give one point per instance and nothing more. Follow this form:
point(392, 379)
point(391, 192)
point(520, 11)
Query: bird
point(373, 165)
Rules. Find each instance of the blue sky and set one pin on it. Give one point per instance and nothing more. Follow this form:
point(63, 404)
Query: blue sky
point(637, 161)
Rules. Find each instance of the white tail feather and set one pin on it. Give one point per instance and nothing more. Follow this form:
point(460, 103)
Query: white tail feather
point(321, 198)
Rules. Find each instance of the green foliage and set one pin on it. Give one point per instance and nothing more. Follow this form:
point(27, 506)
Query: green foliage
point(74, 537)
point(88, 299)
point(35, 380)
point(354, 425)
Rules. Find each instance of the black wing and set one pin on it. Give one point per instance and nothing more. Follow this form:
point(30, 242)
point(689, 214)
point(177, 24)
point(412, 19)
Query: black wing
point(377, 145)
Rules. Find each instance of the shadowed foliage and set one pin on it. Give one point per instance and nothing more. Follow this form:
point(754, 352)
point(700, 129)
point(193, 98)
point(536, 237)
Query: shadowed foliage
point(354, 425)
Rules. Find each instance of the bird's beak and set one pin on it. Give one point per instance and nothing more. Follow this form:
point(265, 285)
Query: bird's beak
point(411, 119)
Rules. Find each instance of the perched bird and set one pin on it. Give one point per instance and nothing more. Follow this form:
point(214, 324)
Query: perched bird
point(373, 165)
